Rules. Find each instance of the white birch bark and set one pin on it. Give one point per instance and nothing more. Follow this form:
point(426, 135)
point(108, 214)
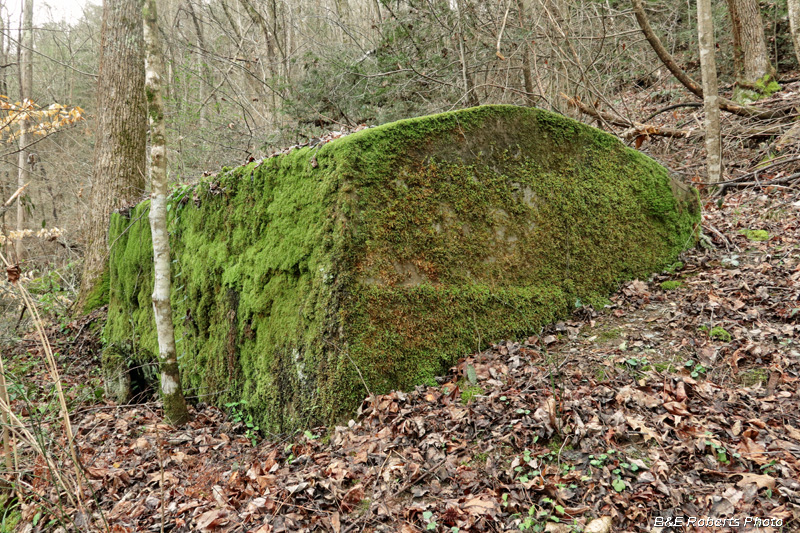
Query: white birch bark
point(175, 410)
point(25, 82)
point(794, 25)
point(708, 66)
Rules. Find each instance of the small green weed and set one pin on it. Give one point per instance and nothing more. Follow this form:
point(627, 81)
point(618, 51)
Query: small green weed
point(769, 468)
point(555, 444)
point(671, 285)
point(674, 267)
point(695, 369)
point(640, 364)
point(11, 513)
point(609, 334)
point(719, 333)
point(767, 86)
point(663, 366)
point(238, 416)
point(757, 235)
point(720, 452)
point(525, 471)
point(430, 521)
point(753, 376)
point(539, 515)
point(731, 261)
point(469, 392)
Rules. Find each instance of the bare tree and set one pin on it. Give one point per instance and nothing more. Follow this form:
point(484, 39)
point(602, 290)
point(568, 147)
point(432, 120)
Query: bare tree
point(25, 84)
point(175, 410)
point(207, 76)
point(750, 55)
point(669, 62)
point(120, 146)
point(708, 66)
point(794, 25)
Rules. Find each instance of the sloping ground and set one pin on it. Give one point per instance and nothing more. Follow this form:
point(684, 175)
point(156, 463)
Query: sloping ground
point(675, 401)
point(305, 281)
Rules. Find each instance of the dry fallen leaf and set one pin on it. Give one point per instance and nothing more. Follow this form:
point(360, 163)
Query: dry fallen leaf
point(677, 408)
point(480, 506)
point(763, 481)
point(639, 425)
point(211, 519)
point(599, 525)
point(641, 398)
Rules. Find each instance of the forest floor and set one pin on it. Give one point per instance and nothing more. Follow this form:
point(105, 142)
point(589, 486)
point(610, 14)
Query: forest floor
point(679, 400)
point(676, 403)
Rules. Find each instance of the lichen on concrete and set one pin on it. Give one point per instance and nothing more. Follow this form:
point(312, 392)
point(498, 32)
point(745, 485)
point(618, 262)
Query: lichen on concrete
point(304, 282)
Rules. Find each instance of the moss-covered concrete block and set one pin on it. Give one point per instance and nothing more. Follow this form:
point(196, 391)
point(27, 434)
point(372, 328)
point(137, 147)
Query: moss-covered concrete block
point(373, 262)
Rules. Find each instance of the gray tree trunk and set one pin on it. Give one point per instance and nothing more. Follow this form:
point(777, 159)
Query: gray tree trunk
point(25, 83)
point(207, 79)
point(794, 25)
point(708, 66)
point(118, 175)
point(751, 57)
point(175, 410)
point(527, 76)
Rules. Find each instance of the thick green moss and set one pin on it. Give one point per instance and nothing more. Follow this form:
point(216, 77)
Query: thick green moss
point(375, 261)
point(98, 296)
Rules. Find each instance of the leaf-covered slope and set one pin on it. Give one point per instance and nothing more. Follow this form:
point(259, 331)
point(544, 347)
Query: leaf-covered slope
point(371, 263)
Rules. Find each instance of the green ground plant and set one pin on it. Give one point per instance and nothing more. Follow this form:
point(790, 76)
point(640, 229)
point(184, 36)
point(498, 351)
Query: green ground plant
point(671, 285)
point(469, 392)
point(239, 415)
point(757, 235)
point(753, 376)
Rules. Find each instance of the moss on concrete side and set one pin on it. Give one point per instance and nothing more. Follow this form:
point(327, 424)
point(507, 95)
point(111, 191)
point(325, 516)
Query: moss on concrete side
point(98, 296)
point(377, 260)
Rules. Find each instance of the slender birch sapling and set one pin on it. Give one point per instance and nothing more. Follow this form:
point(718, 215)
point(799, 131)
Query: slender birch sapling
point(175, 410)
point(708, 67)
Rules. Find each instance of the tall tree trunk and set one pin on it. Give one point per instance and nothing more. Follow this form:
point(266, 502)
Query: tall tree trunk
point(6, 185)
point(175, 410)
point(269, 37)
point(118, 176)
point(466, 76)
point(736, 35)
point(206, 80)
point(25, 84)
point(708, 66)
point(3, 53)
point(751, 57)
point(527, 75)
point(794, 25)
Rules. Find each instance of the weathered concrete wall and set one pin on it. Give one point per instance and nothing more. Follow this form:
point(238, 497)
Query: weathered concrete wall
point(380, 258)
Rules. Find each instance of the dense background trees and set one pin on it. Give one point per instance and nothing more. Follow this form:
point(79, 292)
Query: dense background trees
point(246, 77)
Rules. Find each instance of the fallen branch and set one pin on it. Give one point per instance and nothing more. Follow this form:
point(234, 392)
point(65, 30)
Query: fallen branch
point(728, 244)
point(788, 138)
point(661, 51)
point(774, 182)
point(6, 206)
point(752, 174)
point(633, 129)
point(670, 108)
